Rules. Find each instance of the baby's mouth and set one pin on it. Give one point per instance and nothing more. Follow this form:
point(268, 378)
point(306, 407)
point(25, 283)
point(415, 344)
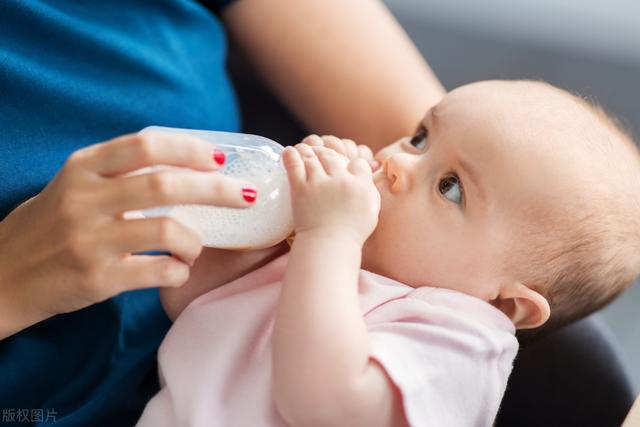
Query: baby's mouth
point(380, 180)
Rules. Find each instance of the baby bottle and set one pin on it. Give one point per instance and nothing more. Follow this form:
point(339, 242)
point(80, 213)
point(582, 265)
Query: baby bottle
point(248, 157)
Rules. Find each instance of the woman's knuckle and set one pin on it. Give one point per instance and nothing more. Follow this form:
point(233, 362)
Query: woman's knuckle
point(220, 186)
point(76, 158)
point(166, 230)
point(161, 184)
point(142, 145)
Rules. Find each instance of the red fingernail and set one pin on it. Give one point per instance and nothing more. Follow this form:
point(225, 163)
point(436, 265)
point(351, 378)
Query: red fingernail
point(249, 194)
point(218, 156)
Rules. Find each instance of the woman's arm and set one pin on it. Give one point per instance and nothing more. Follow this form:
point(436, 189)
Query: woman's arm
point(343, 67)
point(71, 246)
point(322, 374)
point(212, 269)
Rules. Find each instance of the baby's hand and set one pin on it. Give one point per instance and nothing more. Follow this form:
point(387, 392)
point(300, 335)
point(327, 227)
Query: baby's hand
point(330, 194)
point(346, 147)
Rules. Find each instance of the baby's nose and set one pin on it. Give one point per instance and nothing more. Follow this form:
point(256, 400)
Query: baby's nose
point(396, 169)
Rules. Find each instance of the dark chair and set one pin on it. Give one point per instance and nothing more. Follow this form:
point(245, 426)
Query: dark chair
point(573, 377)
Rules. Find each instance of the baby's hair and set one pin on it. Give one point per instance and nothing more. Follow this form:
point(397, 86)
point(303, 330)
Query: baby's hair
point(589, 254)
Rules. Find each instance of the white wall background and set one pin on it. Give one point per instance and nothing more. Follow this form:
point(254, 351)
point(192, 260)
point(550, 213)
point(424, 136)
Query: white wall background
point(593, 27)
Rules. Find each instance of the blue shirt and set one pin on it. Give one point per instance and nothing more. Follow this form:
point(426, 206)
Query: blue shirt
point(74, 73)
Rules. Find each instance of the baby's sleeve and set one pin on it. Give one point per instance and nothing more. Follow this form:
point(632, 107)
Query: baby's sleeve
point(450, 368)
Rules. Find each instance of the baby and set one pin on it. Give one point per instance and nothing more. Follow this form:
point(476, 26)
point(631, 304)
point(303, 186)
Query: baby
point(513, 207)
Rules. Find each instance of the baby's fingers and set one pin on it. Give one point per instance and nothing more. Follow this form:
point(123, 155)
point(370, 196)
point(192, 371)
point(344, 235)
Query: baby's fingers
point(313, 168)
point(365, 152)
point(294, 166)
point(351, 148)
point(360, 167)
point(337, 145)
point(332, 162)
point(313, 141)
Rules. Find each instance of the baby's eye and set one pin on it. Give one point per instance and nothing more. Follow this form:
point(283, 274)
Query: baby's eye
point(450, 187)
point(419, 140)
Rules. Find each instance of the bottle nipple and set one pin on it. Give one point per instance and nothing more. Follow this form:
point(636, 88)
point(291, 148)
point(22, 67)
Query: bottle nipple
point(255, 159)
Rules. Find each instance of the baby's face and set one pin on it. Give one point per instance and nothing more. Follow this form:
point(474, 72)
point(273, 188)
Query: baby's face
point(454, 195)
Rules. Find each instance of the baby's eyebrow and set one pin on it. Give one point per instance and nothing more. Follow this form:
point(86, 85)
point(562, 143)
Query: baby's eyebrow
point(434, 117)
point(471, 172)
point(426, 121)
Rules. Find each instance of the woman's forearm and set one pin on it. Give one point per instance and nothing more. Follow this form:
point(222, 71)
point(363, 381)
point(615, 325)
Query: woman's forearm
point(343, 67)
point(320, 339)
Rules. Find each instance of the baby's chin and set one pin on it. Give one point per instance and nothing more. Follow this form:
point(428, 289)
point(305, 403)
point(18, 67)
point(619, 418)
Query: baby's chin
point(368, 252)
point(373, 255)
point(381, 183)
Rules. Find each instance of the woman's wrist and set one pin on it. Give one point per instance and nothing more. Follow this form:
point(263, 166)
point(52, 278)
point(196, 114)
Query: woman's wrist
point(15, 313)
point(17, 307)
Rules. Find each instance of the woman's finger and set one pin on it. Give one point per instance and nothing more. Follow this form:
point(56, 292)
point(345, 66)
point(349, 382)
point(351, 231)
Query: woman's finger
point(135, 151)
point(175, 187)
point(160, 234)
point(147, 271)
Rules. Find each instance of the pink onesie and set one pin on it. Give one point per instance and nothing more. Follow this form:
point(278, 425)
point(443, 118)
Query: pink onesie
point(449, 353)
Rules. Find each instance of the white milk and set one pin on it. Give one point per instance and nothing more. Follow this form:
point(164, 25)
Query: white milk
point(268, 221)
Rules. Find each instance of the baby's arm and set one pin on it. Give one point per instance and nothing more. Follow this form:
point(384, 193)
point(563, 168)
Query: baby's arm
point(322, 372)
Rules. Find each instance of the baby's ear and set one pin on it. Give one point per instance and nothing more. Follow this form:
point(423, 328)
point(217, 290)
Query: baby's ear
point(526, 307)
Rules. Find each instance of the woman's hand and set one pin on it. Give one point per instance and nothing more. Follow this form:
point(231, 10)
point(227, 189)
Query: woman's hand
point(346, 147)
point(331, 195)
point(70, 246)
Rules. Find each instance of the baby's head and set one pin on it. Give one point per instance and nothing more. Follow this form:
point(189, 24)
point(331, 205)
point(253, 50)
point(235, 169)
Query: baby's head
point(517, 193)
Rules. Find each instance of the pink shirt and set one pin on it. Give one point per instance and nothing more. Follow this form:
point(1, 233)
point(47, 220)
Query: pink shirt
point(448, 353)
